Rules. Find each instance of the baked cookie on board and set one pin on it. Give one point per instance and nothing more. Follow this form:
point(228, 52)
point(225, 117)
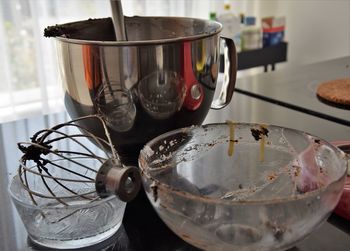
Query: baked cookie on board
point(335, 91)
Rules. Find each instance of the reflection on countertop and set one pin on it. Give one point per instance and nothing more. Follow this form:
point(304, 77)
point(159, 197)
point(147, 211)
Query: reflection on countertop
point(142, 229)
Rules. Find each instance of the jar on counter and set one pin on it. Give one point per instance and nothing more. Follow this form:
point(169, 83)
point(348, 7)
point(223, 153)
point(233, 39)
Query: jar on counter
point(251, 35)
point(231, 25)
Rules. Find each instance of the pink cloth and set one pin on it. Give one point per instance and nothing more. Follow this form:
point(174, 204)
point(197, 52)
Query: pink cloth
point(343, 207)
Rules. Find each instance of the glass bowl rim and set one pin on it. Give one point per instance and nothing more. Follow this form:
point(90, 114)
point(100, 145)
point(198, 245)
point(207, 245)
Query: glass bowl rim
point(79, 206)
point(171, 190)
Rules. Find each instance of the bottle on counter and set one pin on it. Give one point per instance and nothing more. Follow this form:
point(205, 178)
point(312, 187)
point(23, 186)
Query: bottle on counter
point(231, 25)
point(251, 34)
point(241, 19)
point(212, 16)
point(273, 30)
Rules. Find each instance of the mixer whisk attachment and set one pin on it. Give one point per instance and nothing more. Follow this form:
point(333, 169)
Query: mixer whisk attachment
point(58, 168)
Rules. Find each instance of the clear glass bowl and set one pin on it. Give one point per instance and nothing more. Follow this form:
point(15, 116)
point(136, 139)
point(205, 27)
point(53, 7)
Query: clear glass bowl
point(79, 222)
point(242, 186)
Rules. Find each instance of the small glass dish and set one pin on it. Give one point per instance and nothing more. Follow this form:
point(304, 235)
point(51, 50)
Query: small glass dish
point(80, 223)
point(56, 191)
point(237, 186)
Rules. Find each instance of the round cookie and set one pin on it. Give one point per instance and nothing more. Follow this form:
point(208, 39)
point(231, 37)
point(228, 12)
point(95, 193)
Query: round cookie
point(336, 91)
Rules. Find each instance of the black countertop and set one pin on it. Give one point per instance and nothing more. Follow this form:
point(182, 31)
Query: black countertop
point(295, 88)
point(142, 229)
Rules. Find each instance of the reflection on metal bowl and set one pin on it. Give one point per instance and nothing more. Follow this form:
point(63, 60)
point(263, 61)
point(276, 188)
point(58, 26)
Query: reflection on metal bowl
point(116, 106)
point(162, 94)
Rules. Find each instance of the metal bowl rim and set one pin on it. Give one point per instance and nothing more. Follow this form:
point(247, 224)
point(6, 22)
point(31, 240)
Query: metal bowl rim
point(148, 42)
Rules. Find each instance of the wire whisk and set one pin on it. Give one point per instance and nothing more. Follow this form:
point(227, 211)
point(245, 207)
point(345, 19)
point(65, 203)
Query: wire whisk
point(59, 166)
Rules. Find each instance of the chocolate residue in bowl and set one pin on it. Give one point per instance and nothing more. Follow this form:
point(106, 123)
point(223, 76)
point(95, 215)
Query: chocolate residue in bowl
point(259, 133)
point(154, 188)
point(317, 141)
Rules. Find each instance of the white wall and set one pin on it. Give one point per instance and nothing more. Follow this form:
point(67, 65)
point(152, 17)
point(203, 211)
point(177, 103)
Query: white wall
point(316, 29)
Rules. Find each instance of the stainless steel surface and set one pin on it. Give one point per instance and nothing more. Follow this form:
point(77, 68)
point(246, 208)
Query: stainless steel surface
point(112, 179)
point(147, 235)
point(295, 88)
point(185, 49)
point(118, 20)
point(230, 57)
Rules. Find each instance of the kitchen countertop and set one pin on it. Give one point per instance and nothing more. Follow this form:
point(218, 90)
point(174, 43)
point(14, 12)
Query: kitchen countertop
point(295, 88)
point(142, 229)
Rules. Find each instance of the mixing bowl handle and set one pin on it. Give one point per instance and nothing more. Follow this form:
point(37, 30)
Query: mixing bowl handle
point(229, 80)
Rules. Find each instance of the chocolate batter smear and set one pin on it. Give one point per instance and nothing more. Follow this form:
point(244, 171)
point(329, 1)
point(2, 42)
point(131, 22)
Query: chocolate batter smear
point(98, 29)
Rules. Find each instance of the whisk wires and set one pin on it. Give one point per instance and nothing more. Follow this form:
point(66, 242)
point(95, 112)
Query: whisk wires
point(61, 168)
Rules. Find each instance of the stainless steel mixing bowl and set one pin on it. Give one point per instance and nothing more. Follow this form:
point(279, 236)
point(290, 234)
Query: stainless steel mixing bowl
point(164, 77)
